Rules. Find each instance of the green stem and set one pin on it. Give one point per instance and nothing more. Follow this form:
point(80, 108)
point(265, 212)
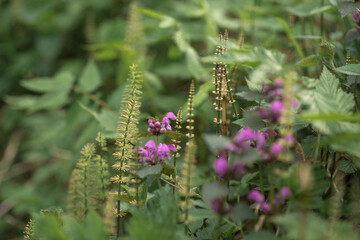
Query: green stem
point(218, 230)
point(261, 173)
point(317, 147)
point(271, 182)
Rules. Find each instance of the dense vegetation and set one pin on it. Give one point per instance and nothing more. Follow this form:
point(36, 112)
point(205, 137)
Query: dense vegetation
point(196, 119)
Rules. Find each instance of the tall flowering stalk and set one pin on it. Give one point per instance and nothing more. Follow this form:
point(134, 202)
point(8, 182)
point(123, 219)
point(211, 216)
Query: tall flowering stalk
point(127, 137)
point(176, 142)
point(186, 183)
point(223, 90)
point(190, 114)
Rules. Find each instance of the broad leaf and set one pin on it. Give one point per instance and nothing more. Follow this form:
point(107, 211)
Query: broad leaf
point(90, 78)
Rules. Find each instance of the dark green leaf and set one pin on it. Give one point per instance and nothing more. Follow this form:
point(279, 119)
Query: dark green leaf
point(262, 234)
point(150, 170)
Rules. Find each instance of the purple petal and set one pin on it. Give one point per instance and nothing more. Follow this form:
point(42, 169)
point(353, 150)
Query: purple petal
point(170, 115)
point(256, 196)
point(221, 166)
point(265, 207)
point(276, 149)
point(172, 147)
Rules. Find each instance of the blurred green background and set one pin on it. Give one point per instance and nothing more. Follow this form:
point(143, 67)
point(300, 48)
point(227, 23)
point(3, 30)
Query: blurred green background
point(63, 65)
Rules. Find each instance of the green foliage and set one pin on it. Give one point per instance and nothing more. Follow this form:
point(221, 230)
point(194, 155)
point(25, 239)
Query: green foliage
point(162, 211)
point(329, 98)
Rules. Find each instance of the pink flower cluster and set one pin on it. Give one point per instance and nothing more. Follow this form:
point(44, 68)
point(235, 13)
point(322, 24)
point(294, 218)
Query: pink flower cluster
point(274, 92)
point(157, 128)
point(256, 197)
point(223, 168)
point(153, 154)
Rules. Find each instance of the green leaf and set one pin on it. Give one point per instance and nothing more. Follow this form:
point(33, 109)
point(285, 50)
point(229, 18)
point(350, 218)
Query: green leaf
point(167, 169)
point(348, 7)
point(291, 37)
point(262, 234)
point(309, 61)
point(330, 117)
point(241, 212)
point(94, 227)
point(150, 170)
point(61, 82)
point(351, 69)
point(308, 9)
point(347, 166)
point(211, 191)
point(316, 228)
point(22, 102)
point(181, 40)
point(90, 78)
point(329, 98)
point(215, 142)
point(251, 95)
point(193, 63)
point(251, 120)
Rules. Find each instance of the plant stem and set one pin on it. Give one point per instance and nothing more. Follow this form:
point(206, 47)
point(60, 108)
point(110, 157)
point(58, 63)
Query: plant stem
point(261, 178)
point(218, 230)
point(317, 147)
point(271, 182)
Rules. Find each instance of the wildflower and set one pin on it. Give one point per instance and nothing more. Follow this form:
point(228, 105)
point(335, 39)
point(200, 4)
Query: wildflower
point(276, 148)
point(163, 151)
point(216, 205)
point(281, 196)
point(221, 166)
point(265, 207)
point(148, 152)
point(356, 17)
point(157, 128)
point(256, 196)
point(276, 108)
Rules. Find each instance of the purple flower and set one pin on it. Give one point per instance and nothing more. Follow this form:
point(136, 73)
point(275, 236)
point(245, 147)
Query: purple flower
point(263, 113)
point(221, 166)
point(276, 108)
point(278, 83)
point(294, 103)
point(265, 207)
point(269, 132)
point(356, 17)
point(282, 195)
point(276, 149)
point(290, 139)
point(256, 196)
point(148, 152)
point(170, 115)
point(216, 205)
point(163, 151)
point(157, 128)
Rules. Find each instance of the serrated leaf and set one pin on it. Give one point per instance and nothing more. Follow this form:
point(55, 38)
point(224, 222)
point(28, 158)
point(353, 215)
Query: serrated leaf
point(348, 7)
point(309, 61)
point(51, 100)
point(61, 82)
point(351, 69)
point(329, 98)
point(90, 78)
point(251, 120)
point(150, 170)
point(251, 95)
point(347, 166)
